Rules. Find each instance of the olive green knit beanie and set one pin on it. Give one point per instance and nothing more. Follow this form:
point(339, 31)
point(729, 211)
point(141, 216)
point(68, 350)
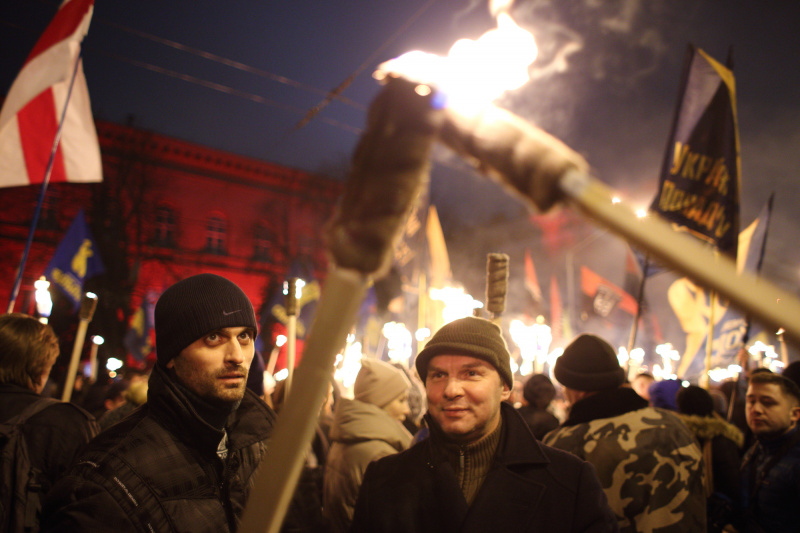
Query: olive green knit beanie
point(476, 337)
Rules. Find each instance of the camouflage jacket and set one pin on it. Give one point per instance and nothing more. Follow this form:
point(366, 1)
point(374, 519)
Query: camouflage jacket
point(648, 462)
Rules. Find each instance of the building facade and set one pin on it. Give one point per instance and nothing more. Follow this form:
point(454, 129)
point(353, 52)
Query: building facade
point(168, 209)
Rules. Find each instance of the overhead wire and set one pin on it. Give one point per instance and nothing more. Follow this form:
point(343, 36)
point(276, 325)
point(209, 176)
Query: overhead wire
point(336, 92)
point(331, 95)
point(229, 62)
point(220, 88)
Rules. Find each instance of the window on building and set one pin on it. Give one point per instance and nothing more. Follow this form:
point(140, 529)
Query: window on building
point(215, 235)
point(165, 227)
point(264, 243)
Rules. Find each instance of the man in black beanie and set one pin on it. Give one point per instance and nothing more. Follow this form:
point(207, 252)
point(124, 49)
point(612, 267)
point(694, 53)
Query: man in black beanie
point(649, 464)
point(481, 468)
point(184, 460)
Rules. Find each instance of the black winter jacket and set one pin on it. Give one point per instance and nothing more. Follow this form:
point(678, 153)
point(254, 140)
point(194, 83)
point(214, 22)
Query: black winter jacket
point(54, 436)
point(158, 469)
point(530, 488)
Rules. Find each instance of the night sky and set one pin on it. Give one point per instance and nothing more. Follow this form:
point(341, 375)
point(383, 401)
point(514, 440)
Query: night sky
point(240, 75)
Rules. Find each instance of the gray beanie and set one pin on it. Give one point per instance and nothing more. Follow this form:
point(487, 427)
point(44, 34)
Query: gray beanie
point(379, 383)
point(196, 306)
point(589, 364)
point(473, 336)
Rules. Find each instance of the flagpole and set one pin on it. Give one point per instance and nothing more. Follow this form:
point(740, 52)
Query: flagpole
point(705, 381)
point(45, 181)
point(291, 332)
point(639, 300)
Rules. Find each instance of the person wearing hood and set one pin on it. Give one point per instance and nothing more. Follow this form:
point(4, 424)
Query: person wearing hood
point(364, 429)
point(722, 443)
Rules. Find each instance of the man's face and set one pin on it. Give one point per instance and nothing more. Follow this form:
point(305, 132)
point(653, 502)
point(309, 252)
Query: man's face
point(770, 413)
point(215, 366)
point(464, 395)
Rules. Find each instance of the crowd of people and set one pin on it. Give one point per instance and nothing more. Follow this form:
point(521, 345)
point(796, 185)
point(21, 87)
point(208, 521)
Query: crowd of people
point(177, 450)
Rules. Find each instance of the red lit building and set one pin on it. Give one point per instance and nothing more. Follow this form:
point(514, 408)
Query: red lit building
point(168, 209)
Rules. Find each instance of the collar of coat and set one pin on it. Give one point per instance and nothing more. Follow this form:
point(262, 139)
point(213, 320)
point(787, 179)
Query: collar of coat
point(605, 404)
point(708, 427)
point(250, 423)
point(517, 443)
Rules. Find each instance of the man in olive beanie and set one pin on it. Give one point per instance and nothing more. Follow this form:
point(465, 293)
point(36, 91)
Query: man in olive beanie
point(476, 337)
point(183, 461)
point(628, 441)
point(480, 468)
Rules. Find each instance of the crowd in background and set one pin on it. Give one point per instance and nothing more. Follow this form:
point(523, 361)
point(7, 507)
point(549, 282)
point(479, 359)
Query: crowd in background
point(666, 453)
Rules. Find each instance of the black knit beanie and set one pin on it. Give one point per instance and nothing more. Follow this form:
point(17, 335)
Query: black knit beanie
point(196, 306)
point(476, 337)
point(694, 400)
point(539, 391)
point(589, 364)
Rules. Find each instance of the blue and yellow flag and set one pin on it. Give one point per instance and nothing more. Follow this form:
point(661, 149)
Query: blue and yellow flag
point(692, 306)
point(75, 260)
point(700, 177)
point(137, 340)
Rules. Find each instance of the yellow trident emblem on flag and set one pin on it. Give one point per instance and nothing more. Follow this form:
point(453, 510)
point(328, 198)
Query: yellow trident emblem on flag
point(81, 258)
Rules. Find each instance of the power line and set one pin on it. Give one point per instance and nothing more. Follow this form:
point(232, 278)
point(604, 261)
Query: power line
point(336, 92)
point(230, 63)
point(220, 88)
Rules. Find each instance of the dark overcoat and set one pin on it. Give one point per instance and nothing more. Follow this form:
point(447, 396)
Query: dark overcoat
point(530, 487)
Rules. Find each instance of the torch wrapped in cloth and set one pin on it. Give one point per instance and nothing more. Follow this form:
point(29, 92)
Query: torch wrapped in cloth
point(496, 285)
point(543, 171)
point(389, 168)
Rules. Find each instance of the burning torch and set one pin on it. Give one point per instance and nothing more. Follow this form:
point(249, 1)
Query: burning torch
point(542, 171)
point(388, 170)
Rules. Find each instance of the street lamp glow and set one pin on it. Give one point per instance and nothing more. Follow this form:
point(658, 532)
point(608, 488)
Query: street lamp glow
point(98, 340)
point(113, 364)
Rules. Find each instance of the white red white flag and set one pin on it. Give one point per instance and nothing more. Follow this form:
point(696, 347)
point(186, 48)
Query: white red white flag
point(34, 105)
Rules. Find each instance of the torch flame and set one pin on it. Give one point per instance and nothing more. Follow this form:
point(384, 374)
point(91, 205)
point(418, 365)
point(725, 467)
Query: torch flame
point(475, 72)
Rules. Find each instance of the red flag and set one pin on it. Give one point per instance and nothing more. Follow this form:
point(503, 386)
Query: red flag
point(605, 296)
point(531, 281)
point(33, 108)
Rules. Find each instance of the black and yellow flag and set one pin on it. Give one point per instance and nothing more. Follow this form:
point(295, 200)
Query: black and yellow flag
point(700, 177)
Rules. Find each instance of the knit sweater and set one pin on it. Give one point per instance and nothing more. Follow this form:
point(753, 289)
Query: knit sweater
point(471, 462)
